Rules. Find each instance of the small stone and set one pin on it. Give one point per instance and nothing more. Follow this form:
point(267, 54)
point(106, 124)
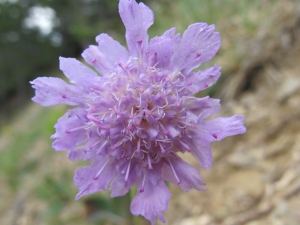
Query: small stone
point(203, 220)
point(242, 160)
point(288, 88)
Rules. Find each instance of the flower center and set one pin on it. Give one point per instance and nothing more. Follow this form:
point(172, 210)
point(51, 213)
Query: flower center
point(140, 116)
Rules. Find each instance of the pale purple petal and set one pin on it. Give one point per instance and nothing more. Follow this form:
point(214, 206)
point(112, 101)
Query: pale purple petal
point(201, 80)
point(172, 132)
point(80, 74)
point(200, 108)
point(198, 45)
point(70, 130)
point(152, 201)
point(96, 177)
point(137, 18)
point(93, 56)
point(154, 174)
point(201, 150)
point(50, 91)
point(163, 49)
point(171, 33)
point(114, 52)
point(151, 130)
point(182, 174)
point(225, 126)
point(119, 186)
point(81, 152)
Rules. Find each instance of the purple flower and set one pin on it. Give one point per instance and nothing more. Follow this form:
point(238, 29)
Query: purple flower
point(133, 120)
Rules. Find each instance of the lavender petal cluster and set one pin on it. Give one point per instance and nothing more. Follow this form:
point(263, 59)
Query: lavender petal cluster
point(136, 111)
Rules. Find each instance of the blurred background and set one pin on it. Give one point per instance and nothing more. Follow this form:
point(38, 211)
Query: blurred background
point(254, 179)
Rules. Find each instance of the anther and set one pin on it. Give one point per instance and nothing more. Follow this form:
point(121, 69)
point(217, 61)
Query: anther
point(164, 130)
point(198, 55)
point(140, 42)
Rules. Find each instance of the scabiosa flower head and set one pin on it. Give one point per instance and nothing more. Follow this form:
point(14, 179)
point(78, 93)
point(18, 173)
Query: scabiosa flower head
point(133, 119)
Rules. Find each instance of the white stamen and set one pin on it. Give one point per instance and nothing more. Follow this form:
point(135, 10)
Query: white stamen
point(163, 151)
point(149, 162)
point(185, 145)
point(98, 174)
point(143, 183)
point(174, 172)
point(127, 172)
point(138, 149)
point(75, 129)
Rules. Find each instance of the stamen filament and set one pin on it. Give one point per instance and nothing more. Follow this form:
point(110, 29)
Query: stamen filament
point(127, 172)
point(75, 129)
point(138, 149)
point(149, 162)
point(143, 183)
point(163, 151)
point(174, 172)
point(98, 174)
point(185, 145)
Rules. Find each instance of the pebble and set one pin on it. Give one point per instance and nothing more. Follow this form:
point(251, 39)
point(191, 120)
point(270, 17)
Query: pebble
point(288, 88)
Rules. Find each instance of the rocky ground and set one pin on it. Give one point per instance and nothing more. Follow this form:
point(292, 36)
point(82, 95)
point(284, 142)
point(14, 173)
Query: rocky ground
point(255, 177)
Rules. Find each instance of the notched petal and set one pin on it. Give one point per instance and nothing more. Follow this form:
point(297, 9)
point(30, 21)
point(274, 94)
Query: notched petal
point(137, 18)
point(113, 50)
point(50, 91)
point(188, 175)
point(202, 151)
point(152, 201)
point(70, 130)
point(119, 186)
point(223, 127)
point(198, 45)
point(93, 56)
point(96, 177)
point(79, 74)
point(201, 80)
